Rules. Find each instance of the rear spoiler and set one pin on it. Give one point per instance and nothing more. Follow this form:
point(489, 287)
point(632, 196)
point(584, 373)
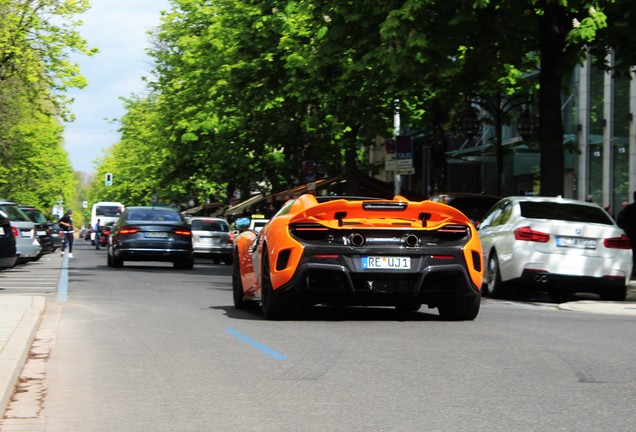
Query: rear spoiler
point(390, 213)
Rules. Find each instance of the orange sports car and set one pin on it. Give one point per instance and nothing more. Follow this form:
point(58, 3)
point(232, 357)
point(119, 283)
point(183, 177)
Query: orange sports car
point(336, 250)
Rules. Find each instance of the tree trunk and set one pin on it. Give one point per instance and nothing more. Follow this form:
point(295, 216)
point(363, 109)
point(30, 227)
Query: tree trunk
point(550, 117)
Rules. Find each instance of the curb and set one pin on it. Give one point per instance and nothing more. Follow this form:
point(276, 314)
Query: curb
point(17, 348)
point(613, 308)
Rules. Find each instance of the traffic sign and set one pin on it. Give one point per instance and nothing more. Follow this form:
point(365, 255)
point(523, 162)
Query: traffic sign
point(404, 152)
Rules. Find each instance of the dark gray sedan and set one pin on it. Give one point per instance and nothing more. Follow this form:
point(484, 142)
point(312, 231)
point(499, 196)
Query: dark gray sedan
point(148, 233)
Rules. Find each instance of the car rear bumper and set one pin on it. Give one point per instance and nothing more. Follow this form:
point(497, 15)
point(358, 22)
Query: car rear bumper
point(7, 262)
point(29, 251)
point(544, 281)
point(568, 266)
point(213, 250)
point(142, 254)
point(47, 243)
point(429, 282)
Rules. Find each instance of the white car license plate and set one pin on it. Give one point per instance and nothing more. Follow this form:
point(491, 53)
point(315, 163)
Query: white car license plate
point(575, 242)
point(157, 234)
point(386, 262)
point(40, 233)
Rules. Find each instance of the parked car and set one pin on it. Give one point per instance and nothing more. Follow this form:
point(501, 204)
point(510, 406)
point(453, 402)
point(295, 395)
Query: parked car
point(473, 205)
point(148, 233)
point(8, 252)
point(557, 245)
point(27, 244)
point(360, 251)
point(212, 238)
point(42, 227)
point(56, 235)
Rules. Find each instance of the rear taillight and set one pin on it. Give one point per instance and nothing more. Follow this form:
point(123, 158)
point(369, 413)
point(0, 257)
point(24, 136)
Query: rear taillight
point(230, 238)
point(129, 230)
point(621, 242)
point(183, 232)
point(528, 234)
point(15, 231)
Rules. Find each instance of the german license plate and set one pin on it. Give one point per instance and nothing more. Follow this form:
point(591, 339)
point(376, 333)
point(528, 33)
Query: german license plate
point(41, 233)
point(576, 242)
point(386, 263)
point(157, 234)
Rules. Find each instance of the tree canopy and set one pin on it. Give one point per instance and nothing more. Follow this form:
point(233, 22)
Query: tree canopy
point(244, 91)
point(36, 40)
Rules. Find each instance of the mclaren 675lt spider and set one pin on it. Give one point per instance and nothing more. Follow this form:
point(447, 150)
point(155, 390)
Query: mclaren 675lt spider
point(356, 251)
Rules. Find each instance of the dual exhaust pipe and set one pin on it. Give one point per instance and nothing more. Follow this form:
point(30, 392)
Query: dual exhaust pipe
point(358, 240)
point(541, 278)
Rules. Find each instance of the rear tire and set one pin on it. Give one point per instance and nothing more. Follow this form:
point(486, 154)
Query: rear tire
point(184, 264)
point(560, 296)
point(461, 308)
point(495, 287)
point(269, 301)
point(276, 305)
point(237, 287)
point(614, 294)
point(408, 306)
point(117, 262)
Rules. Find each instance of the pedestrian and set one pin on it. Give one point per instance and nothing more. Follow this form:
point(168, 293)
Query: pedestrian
point(66, 222)
point(96, 229)
point(619, 216)
point(626, 219)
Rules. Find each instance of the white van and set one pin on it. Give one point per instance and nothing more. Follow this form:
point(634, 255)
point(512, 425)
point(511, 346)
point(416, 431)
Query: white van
point(107, 212)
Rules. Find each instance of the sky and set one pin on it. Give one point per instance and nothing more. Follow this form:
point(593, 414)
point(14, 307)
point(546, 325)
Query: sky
point(118, 28)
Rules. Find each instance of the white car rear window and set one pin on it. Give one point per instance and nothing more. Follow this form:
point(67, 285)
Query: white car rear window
point(564, 211)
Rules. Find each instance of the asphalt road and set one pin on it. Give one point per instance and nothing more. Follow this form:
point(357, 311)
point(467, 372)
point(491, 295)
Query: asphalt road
point(151, 348)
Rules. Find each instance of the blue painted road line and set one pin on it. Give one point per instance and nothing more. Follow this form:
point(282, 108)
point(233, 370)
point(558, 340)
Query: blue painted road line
point(62, 283)
point(259, 346)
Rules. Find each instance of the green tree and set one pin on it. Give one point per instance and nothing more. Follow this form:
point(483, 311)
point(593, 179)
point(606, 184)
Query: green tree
point(137, 161)
point(34, 167)
point(36, 39)
point(487, 38)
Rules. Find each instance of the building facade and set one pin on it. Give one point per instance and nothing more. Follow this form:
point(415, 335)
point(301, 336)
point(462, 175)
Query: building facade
point(600, 147)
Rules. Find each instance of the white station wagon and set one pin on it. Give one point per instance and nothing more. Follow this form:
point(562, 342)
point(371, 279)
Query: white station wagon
point(556, 245)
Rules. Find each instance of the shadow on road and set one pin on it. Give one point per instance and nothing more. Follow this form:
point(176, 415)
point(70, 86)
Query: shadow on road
point(328, 313)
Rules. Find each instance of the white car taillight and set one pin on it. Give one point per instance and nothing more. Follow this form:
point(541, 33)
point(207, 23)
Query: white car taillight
point(621, 242)
point(528, 234)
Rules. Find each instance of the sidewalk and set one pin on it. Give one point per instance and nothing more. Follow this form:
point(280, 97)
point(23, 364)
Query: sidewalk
point(19, 320)
point(21, 315)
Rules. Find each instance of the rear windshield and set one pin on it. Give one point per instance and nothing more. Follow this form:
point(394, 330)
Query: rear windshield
point(108, 211)
point(154, 215)
point(13, 213)
point(565, 212)
point(35, 215)
point(203, 225)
